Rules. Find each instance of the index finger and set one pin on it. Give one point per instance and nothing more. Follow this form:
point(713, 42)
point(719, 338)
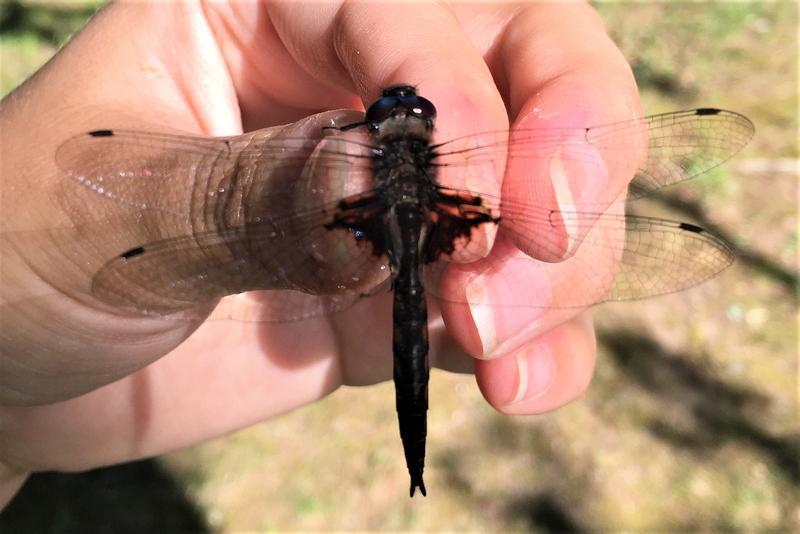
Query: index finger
point(564, 74)
point(355, 45)
point(559, 72)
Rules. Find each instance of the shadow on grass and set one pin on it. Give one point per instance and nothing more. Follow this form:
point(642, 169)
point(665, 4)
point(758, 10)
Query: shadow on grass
point(650, 76)
point(50, 23)
point(756, 260)
point(554, 490)
point(719, 412)
point(135, 497)
point(543, 512)
point(560, 487)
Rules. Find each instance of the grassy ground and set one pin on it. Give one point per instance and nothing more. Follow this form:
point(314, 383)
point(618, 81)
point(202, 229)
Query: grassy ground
point(690, 424)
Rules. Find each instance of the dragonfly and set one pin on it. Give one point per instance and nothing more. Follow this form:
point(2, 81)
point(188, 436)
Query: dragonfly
point(321, 217)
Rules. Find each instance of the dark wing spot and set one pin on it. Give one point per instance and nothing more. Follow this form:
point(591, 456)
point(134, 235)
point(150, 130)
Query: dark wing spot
point(707, 111)
point(454, 215)
point(132, 252)
point(363, 215)
point(101, 133)
point(691, 228)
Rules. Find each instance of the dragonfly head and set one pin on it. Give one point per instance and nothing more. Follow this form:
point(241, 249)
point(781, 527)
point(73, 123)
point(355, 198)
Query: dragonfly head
point(401, 104)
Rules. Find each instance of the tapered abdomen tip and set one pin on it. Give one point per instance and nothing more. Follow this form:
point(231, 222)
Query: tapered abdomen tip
point(417, 482)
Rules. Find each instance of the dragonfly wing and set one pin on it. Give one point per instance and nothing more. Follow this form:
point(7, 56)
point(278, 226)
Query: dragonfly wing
point(209, 217)
point(683, 145)
point(621, 258)
point(206, 181)
point(169, 276)
point(679, 146)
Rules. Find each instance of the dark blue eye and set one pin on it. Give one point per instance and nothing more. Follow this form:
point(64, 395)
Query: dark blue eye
point(381, 109)
point(419, 106)
point(400, 96)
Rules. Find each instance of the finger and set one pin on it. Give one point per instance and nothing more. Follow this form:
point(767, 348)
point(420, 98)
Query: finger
point(563, 73)
point(271, 86)
point(547, 373)
point(556, 77)
point(11, 480)
point(365, 48)
point(497, 304)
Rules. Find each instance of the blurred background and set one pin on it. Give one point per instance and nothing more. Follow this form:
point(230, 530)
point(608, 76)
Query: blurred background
point(690, 424)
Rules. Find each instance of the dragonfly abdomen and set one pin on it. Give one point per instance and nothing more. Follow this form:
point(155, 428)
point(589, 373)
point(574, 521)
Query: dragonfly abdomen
point(410, 341)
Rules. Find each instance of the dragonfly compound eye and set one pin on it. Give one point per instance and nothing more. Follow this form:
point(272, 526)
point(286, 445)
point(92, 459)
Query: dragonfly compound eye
point(382, 109)
point(419, 107)
point(409, 104)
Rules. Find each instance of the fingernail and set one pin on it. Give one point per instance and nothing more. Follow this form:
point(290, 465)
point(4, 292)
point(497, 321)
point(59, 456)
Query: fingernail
point(536, 371)
point(506, 300)
point(482, 315)
point(579, 178)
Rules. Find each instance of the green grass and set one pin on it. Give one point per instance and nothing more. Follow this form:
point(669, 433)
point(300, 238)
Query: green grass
point(31, 32)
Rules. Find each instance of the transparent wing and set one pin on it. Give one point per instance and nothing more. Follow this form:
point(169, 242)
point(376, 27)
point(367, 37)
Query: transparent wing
point(245, 213)
point(255, 210)
point(679, 146)
point(622, 258)
point(170, 276)
point(210, 180)
point(213, 172)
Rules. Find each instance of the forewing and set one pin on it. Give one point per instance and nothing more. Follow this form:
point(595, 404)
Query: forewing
point(226, 215)
point(680, 145)
point(214, 180)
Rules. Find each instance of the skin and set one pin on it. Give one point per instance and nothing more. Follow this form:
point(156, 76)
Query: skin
point(81, 389)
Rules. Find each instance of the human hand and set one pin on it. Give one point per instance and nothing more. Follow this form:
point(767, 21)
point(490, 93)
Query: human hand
point(123, 389)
